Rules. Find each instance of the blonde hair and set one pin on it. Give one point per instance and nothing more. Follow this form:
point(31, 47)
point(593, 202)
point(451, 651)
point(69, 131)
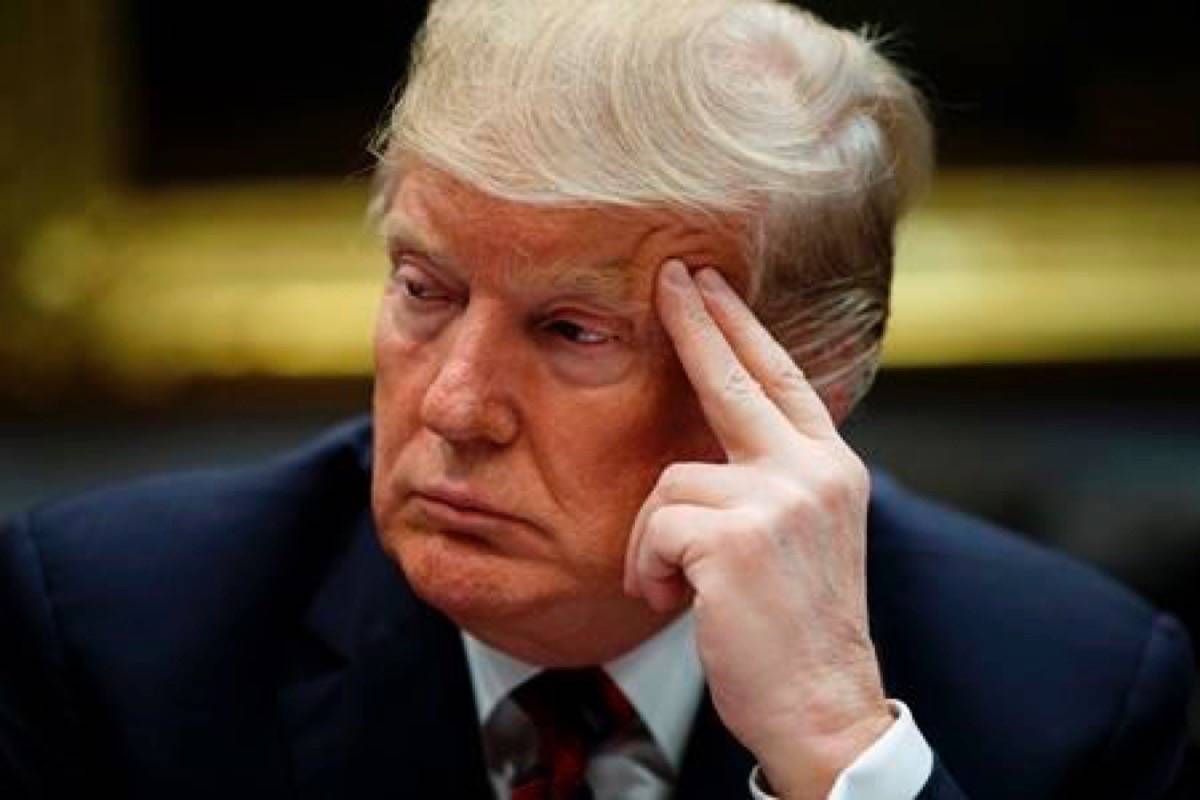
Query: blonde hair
point(751, 108)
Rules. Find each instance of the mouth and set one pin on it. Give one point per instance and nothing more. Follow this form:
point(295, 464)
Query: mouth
point(462, 513)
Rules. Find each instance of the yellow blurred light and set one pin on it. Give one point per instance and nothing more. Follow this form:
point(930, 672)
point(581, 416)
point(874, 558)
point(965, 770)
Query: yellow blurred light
point(283, 279)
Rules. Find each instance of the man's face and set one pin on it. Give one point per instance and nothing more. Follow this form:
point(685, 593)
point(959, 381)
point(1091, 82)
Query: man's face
point(526, 400)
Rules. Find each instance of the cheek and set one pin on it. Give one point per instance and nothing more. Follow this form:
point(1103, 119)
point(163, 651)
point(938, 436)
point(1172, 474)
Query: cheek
point(672, 424)
point(607, 457)
point(401, 367)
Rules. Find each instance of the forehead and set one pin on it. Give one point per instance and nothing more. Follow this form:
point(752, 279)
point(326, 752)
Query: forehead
point(445, 216)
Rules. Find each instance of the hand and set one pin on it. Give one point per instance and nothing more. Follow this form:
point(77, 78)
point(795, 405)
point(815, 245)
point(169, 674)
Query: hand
point(771, 543)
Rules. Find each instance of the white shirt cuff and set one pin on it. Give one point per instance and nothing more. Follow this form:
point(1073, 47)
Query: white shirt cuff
point(896, 767)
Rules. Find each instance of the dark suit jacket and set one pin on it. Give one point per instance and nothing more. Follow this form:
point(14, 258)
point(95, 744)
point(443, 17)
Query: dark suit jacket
point(240, 634)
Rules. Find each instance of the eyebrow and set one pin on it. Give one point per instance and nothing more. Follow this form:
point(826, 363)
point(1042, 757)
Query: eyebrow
point(398, 230)
point(608, 282)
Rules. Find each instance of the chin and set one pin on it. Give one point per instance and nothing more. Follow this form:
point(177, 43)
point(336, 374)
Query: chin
point(530, 608)
point(468, 581)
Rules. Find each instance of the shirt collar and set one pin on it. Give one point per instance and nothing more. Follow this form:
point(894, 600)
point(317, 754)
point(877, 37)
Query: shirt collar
point(661, 677)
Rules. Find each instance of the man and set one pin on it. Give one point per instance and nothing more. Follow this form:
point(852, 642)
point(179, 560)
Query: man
point(640, 255)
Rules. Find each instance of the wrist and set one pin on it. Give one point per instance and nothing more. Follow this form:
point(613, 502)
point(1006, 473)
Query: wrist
point(805, 762)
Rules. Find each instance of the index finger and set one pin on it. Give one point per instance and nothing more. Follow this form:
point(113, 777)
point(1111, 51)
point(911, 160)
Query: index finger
point(741, 415)
point(765, 358)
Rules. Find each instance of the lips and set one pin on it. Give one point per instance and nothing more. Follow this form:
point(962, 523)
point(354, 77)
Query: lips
point(463, 501)
point(462, 512)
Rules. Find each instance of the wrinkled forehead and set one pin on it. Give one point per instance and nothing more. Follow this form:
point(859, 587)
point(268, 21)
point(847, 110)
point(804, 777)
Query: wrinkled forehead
point(439, 214)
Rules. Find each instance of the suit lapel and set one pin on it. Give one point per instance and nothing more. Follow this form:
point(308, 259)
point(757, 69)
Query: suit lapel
point(715, 765)
point(378, 700)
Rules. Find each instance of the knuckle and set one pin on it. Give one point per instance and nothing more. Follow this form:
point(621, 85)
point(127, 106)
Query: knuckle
point(753, 537)
point(696, 315)
point(738, 385)
point(744, 550)
point(658, 518)
point(656, 523)
point(830, 486)
point(785, 491)
point(851, 469)
point(785, 376)
point(797, 503)
point(844, 485)
point(669, 519)
point(672, 480)
point(859, 474)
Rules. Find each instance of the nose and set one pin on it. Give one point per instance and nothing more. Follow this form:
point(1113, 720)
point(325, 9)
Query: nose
point(469, 399)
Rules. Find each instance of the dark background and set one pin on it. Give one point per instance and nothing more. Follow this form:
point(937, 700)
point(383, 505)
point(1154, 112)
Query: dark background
point(226, 89)
point(1099, 459)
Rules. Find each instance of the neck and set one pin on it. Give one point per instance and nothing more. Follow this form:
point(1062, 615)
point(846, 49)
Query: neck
point(576, 640)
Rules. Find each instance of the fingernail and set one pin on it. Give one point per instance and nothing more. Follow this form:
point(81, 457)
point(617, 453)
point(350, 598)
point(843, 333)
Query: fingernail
point(675, 273)
point(710, 280)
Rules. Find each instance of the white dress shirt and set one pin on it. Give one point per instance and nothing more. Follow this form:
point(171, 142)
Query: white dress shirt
point(662, 679)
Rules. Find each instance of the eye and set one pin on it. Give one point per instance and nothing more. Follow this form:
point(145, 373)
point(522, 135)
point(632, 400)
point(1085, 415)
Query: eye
point(416, 286)
point(578, 334)
point(420, 291)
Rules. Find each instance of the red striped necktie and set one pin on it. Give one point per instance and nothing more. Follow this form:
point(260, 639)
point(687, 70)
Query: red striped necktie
point(574, 711)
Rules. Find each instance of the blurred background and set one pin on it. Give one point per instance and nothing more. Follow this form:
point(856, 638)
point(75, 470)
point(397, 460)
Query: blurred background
point(187, 279)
